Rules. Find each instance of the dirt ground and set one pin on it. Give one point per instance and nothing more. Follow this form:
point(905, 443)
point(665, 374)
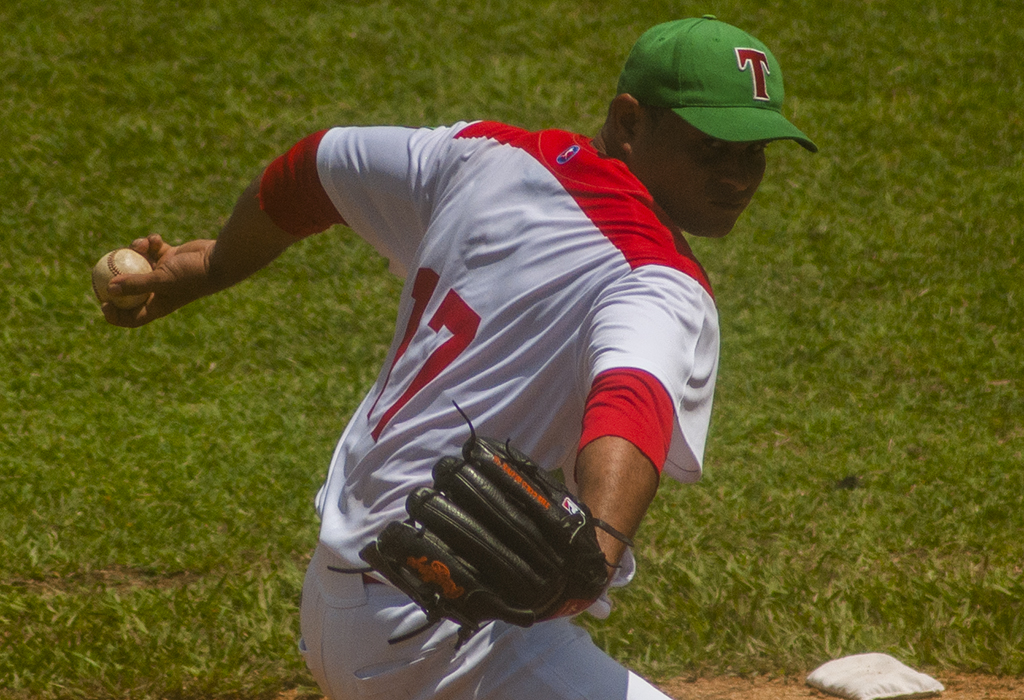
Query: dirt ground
point(958, 687)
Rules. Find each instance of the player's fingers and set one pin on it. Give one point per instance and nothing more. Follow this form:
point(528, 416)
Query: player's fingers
point(144, 283)
point(140, 245)
point(158, 248)
point(127, 318)
point(167, 288)
point(152, 246)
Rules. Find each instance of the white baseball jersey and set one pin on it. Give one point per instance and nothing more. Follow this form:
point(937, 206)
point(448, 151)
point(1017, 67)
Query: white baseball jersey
point(533, 265)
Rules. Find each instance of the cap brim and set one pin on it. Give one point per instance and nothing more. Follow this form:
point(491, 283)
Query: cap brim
point(744, 124)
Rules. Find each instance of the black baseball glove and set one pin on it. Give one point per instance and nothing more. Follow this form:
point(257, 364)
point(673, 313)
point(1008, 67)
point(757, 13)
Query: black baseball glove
point(494, 539)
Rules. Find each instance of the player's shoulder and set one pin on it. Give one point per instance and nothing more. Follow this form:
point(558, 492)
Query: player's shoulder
point(664, 284)
point(570, 156)
point(612, 197)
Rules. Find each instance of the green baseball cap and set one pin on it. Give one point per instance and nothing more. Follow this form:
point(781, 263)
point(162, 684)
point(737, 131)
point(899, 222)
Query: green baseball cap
point(718, 78)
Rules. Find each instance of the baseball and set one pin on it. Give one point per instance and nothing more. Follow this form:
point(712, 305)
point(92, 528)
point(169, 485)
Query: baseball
point(123, 261)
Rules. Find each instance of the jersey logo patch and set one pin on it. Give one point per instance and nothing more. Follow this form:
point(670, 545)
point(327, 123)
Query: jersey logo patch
point(567, 155)
point(758, 62)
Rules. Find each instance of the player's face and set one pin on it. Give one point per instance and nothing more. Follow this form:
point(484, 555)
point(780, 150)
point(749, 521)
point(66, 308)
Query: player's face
point(703, 183)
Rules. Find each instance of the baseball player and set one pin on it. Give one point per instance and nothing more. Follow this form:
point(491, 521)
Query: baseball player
point(550, 293)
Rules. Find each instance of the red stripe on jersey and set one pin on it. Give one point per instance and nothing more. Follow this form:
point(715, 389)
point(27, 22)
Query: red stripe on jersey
point(633, 405)
point(611, 196)
point(291, 192)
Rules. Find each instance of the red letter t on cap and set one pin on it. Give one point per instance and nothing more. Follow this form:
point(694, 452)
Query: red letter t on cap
point(758, 63)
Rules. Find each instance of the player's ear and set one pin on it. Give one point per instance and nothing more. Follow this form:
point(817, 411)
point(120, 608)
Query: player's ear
point(623, 124)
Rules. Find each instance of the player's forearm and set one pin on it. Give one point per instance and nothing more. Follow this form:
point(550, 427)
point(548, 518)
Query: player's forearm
point(249, 241)
point(618, 483)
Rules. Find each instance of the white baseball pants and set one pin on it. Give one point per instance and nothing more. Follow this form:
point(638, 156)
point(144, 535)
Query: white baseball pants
point(346, 625)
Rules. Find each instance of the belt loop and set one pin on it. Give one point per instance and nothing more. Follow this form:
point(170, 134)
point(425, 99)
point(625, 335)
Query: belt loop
point(340, 590)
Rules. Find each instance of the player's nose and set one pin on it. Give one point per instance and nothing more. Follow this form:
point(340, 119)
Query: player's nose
point(742, 170)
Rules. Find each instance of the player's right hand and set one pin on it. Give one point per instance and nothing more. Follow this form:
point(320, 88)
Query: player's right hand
point(179, 276)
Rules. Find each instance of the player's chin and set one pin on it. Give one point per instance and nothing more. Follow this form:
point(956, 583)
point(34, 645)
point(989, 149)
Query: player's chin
point(717, 220)
point(712, 229)
point(712, 233)
point(710, 220)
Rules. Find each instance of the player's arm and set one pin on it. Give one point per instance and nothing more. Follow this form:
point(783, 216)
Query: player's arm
point(627, 428)
point(617, 482)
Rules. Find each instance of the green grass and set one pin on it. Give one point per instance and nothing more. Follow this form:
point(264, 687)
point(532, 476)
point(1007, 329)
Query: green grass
point(158, 483)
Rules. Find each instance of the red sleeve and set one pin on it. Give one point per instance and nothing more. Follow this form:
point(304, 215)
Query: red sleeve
point(291, 193)
point(630, 404)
